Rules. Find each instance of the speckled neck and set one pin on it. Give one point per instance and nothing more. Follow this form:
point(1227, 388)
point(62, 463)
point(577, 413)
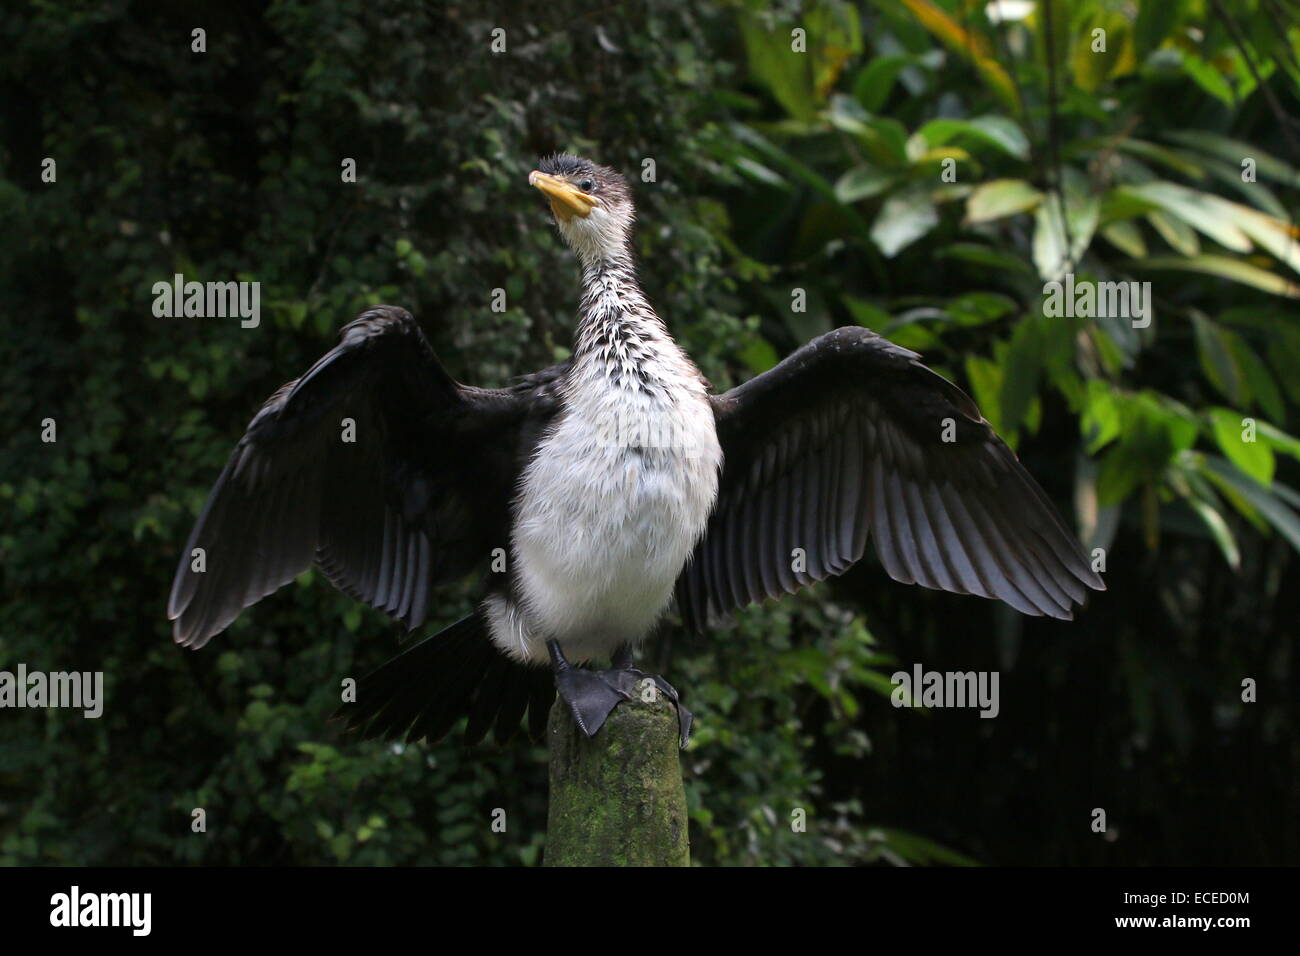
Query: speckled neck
point(618, 331)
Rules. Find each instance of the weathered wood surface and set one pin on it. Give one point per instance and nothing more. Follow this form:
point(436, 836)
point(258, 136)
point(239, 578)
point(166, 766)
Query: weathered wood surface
point(617, 798)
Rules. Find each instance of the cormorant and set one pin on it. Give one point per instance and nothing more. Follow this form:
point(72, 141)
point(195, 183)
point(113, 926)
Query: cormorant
point(608, 484)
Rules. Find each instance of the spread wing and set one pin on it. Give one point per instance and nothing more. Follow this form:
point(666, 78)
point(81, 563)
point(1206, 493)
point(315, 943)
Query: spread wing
point(852, 437)
point(374, 464)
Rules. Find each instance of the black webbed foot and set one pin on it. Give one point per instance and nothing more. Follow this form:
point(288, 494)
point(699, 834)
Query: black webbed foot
point(592, 695)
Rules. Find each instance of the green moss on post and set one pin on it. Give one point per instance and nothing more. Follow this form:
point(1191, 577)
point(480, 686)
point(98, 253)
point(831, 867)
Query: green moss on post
point(617, 798)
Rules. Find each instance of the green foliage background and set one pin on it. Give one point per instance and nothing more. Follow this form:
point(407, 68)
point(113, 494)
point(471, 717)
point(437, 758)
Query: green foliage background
point(775, 170)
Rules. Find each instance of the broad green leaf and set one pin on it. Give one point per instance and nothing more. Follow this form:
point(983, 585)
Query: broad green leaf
point(919, 314)
point(787, 74)
point(952, 192)
point(978, 308)
point(1269, 505)
point(847, 115)
point(1279, 440)
point(759, 172)
point(915, 337)
point(804, 326)
point(917, 146)
point(1255, 193)
point(1203, 211)
point(1276, 338)
point(906, 328)
point(1254, 457)
point(1153, 433)
point(1225, 268)
point(1092, 66)
point(1090, 69)
point(759, 356)
point(1245, 76)
point(1119, 206)
point(986, 379)
point(1099, 422)
point(1054, 221)
point(1229, 492)
point(938, 154)
point(1286, 495)
point(1165, 157)
point(1234, 151)
point(883, 137)
point(967, 44)
point(989, 256)
point(1284, 357)
point(1125, 236)
point(998, 131)
point(886, 137)
point(903, 219)
point(1262, 387)
point(1111, 351)
point(798, 170)
point(1155, 24)
point(862, 182)
point(873, 84)
point(1208, 78)
point(1267, 320)
point(1119, 473)
point(1271, 233)
point(1001, 197)
point(1022, 364)
point(1219, 360)
point(865, 313)
point(1218, 529)
point(835, 36)
point(1180, 236)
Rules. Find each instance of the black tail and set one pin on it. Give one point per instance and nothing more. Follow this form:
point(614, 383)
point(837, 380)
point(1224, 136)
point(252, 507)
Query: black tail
point(457, 672)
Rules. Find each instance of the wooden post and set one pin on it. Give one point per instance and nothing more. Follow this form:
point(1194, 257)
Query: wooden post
point(617, 798)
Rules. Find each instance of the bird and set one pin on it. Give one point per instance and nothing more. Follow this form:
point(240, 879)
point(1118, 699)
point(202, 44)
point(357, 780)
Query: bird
point(591, 497)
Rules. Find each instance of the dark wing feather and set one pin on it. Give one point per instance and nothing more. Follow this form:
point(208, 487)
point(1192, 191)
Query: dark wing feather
point(421, 494)
point(846, 439)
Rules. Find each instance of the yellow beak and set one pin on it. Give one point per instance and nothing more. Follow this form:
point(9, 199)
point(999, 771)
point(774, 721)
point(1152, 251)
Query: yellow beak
point(567, 200)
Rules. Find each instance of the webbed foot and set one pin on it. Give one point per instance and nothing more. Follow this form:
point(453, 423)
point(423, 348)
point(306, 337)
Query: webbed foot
point(592, 695)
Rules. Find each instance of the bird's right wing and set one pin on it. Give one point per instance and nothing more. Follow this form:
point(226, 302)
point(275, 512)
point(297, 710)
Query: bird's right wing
point(850, 437)
point(376, 464)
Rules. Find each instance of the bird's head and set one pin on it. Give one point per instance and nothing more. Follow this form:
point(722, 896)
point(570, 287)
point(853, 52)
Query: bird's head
point(592, 205)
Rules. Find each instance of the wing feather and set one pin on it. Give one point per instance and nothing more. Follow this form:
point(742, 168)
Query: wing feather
point(420, 492)
point(852, 439)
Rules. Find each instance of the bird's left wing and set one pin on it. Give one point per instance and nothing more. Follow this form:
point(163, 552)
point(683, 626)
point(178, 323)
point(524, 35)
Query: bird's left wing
point(852, 436)
point(375, 464)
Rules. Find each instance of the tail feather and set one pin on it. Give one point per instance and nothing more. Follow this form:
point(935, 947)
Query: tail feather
point(539, 707)
point(458, 672)
point(514, 701)
point(487, 701)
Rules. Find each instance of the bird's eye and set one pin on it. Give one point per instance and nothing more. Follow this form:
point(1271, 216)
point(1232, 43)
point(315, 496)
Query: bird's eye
point(586, 185)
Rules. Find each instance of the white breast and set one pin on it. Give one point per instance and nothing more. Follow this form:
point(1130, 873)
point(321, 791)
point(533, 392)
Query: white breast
point(609, 510)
